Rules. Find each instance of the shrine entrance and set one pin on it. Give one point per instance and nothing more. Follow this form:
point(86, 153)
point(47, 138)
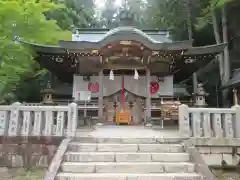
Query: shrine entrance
point(124, 98)
point(131, 112)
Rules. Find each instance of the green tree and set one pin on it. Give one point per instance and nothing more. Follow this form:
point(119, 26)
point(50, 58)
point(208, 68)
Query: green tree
point(174, 15)
point(107, 17)
point(24, 20)
point(75, 14)
point(111, 14)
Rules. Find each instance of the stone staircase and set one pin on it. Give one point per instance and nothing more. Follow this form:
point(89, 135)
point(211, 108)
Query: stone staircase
point(126, 159)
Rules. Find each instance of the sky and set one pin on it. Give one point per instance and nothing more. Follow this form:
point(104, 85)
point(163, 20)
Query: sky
point(101, 3)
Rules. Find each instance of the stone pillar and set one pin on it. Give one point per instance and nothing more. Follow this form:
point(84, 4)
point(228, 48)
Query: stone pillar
point(100, 96)
point(148, 97)
point(183, 120)
point(72, 119)
point(237, 122)
point(195, 83)
point(235, 97)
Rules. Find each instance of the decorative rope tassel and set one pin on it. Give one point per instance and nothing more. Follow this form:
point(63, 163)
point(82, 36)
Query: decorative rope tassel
point(111, 75)
point(136, 74)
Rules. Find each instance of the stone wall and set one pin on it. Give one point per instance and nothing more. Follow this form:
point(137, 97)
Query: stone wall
point(220, 156)
point(218, 152)
point(27, 151)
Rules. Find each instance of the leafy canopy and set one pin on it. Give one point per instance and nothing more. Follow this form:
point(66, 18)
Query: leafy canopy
point(24, 20)
point(76, 14)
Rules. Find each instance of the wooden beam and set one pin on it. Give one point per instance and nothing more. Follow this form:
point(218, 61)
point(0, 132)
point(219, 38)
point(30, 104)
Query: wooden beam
point(122, 66)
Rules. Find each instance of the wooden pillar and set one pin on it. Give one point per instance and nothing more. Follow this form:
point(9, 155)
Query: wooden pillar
point(100, 96)
point(148, 96)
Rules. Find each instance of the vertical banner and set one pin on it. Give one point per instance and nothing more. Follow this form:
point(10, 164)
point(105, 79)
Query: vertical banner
point(122, 95)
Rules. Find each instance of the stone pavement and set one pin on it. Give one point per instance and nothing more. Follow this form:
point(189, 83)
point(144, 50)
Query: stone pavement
point(127, 132)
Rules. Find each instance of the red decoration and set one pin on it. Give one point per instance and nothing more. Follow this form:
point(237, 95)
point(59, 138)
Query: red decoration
point(93, 87)
point(154, 87)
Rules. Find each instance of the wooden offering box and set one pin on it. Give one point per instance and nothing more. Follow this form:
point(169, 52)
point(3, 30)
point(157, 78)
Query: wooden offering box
point(123, 117)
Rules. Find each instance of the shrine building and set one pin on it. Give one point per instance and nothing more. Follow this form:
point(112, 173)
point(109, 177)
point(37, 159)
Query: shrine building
point(128, 72)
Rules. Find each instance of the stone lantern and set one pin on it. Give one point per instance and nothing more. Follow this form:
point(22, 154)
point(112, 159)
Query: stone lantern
point(200, 96)
point(47, 94)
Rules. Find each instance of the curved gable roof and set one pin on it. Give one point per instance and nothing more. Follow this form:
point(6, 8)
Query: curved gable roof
point(129, 30)
point(126, 34)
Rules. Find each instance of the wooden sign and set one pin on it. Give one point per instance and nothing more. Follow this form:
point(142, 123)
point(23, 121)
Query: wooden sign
point(83, 95)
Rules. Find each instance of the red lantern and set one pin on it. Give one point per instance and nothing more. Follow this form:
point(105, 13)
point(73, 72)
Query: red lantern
point(93, 87)
point(154, 87)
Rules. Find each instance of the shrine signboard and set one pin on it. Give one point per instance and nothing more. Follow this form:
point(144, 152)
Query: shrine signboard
point(83, 95)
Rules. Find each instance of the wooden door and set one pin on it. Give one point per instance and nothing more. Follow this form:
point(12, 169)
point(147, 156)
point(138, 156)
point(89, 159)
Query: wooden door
point(137, 111)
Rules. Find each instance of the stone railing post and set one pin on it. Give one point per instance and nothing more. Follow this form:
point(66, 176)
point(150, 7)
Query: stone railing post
point(72, 119)
point(48, 121)
point(196, 124)
point(4, 122)
point(183, 120)
point(60, 123)
point(38, 123)
point(27, 123)
point(237, 122)
point(14, 125)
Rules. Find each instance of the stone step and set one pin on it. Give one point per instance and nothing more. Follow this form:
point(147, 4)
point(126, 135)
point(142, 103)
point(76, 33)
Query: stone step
point(148, 140)
point(94, 147)
point(125, 157)
point(129, 176)
point(128, 167)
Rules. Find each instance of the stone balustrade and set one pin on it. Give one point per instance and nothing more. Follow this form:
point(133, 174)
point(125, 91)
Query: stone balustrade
point(24, 120)
point(209, 122)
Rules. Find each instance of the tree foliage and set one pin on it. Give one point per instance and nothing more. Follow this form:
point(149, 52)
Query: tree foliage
point(206, 12)
point(75, 14)
point(24, 20)
point(173, 15)
point(110, 16)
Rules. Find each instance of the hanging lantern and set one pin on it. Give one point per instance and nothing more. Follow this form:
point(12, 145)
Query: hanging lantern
point(111, 75)
point(135, 74)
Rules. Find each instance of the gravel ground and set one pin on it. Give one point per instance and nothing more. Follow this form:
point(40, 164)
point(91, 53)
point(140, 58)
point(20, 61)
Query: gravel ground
point(227, 175)
point(21, 174)
point(37, 174)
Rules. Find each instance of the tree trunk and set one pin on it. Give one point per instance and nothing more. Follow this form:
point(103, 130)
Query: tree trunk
point(190, 37)
point(226, 62)
point(227, 70)
point(189, 24)
point(218, 41)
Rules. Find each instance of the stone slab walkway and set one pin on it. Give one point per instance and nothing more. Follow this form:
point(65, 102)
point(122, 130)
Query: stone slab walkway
point(127, 132)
